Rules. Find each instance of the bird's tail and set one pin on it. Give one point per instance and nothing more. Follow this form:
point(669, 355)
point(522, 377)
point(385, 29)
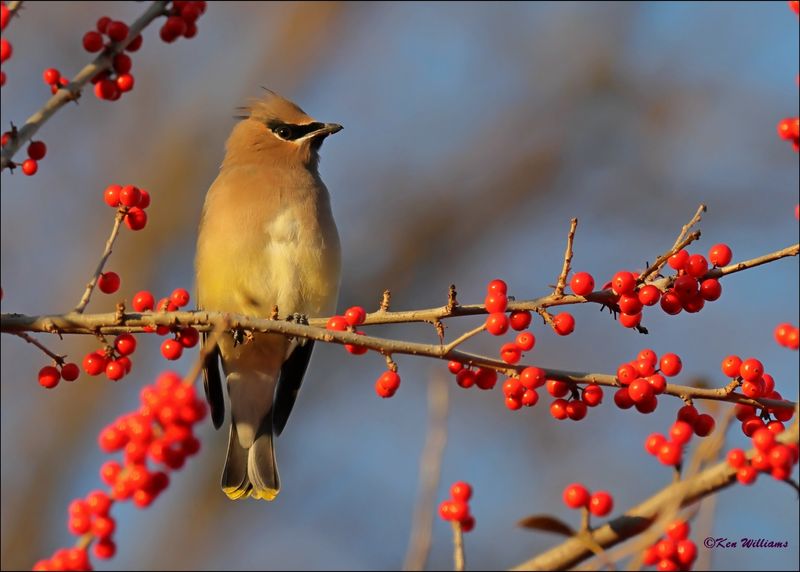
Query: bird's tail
point(251, 471)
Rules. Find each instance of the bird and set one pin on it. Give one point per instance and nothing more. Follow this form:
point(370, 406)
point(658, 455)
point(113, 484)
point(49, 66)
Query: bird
point(266, 238)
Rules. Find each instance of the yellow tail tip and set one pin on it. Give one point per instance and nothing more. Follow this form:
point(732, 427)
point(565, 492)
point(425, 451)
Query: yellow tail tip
point(264, 494)
point(235, 493)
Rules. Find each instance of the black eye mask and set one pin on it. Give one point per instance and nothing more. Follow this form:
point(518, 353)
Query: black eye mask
point(291, 132)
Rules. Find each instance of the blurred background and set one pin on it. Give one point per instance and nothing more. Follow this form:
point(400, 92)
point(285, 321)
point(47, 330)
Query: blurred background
point(473, 132)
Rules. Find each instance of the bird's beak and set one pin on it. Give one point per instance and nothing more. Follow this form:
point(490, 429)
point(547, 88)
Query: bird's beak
point(327, 129)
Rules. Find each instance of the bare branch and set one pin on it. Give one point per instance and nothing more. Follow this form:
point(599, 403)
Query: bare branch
point(87, 295)
point(681, 242)
point(562, 279)
point(59, 359)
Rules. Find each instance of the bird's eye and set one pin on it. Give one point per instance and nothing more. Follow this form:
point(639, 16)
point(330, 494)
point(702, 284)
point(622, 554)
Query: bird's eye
point(283, 131)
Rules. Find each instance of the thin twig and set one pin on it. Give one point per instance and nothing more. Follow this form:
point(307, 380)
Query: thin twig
point(69, 93)
point(464, 337)
point(87, 295)
point(562, 279)
point(680, 242)
point(430, 467)
point(59, 359)
point(13, 8)
point(458, 546)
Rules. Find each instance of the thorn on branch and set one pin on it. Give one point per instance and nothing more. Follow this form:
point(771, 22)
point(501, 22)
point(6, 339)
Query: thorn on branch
point(274, 314)
point(119, 313)
point(452, 302)
point(439, 330)
point(385, 301)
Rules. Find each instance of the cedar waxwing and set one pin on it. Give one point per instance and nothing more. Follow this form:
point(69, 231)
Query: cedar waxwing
point(267, 237)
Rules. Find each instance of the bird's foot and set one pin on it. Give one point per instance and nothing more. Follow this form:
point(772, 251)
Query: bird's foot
point(301, 319)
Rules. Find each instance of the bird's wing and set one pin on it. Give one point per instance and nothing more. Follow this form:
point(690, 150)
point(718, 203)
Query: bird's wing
point(292, 372)
point(212, 382)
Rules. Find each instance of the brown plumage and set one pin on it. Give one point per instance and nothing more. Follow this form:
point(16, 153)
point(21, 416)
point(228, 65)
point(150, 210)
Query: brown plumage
point(267, 237)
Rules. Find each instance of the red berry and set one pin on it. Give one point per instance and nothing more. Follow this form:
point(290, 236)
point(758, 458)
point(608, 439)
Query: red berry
point(129, 196)
point(671, 364)
point(144, 196)
point(485, 378)
point(630, 320)
point(102, 24)
point(497, 323)
point(592, 395)
point(461, 491)
point(520, 320)
point(678, 260)
point(626, 373)
point(622, 398)
point(751, 369)
point(29, 167)
point(355, 316)
point(51, 76)
point(465, 378)
point(513, 403)
point(720, 255)
point(336, 323)
point(763, 439)
point(558, 409)
point(92, 41)
point(576, 496)
point(513, 388)
point(671, 303)
point(710, 289)
point(108, 282)
point(582, 283)
point(446, 510)
point(649, 295)
point(455, 366)
point(510, 353)
point(746, 475)
point(623, 282)
point(125, 344)
point(629, 304)
point(731, 366)
point(79, 524)
point(678, 530)
point(601, 503)
point(390, 380)
point(104, 549)
point(176, 27)
point(70, 372)
point(171, 349)
point(704, 425)
point(125, 82)
point(106, 89)
point(681, 432)
point(5, 16)
point(122, 63)
point(179, 297)
point(532, 377)
point(697, 265)
point(576, 410)
point(529, 398)
point(143, 301)
point(670, 453)
point(135, 44)
point(111, 195)
point(686, 552)
point(49, 376)
point(644, 367)
point(117, 31)
point(640, 391)
point(557, 388)
point(189, 336)
point(736, 458)
point(685, 287)
point(497, 286)
point(94, 363)
point(525, 341)
point(564, 324)
point(136, 219)
point(495, 302)
point(115, 370)
point(647, 406)
point(687, 413)
point(37, 150)
point(654, 442)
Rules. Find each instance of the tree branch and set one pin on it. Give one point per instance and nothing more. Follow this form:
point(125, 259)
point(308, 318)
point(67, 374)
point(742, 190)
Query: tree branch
point(72, 91)
point(87, 295)
point(562, 279)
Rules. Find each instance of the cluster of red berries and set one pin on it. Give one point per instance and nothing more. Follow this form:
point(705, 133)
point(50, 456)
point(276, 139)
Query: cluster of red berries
point(457, 508)
point(787, 336)
point(577, 406)
point(669, 450)
point(133, 199)
point(497, 322)
point(755, 383)
point(36, 152)
point(466, 377)
point(111, 84)
point(6, 50)
point(675, 551)
point(599, 503)
point(185, 337)
point(690, 290)
point(53, 78)
point(113, 360)
point(351, 319)
point(49, 375)
point(644, 379)
point(769, 457)
point(182, 20)
point(160, 431)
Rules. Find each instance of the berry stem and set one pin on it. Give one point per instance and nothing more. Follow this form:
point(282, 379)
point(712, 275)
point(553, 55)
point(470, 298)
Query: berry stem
point(87, 295)
point(585, 522)
point(458, 546)
point(59, 359)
